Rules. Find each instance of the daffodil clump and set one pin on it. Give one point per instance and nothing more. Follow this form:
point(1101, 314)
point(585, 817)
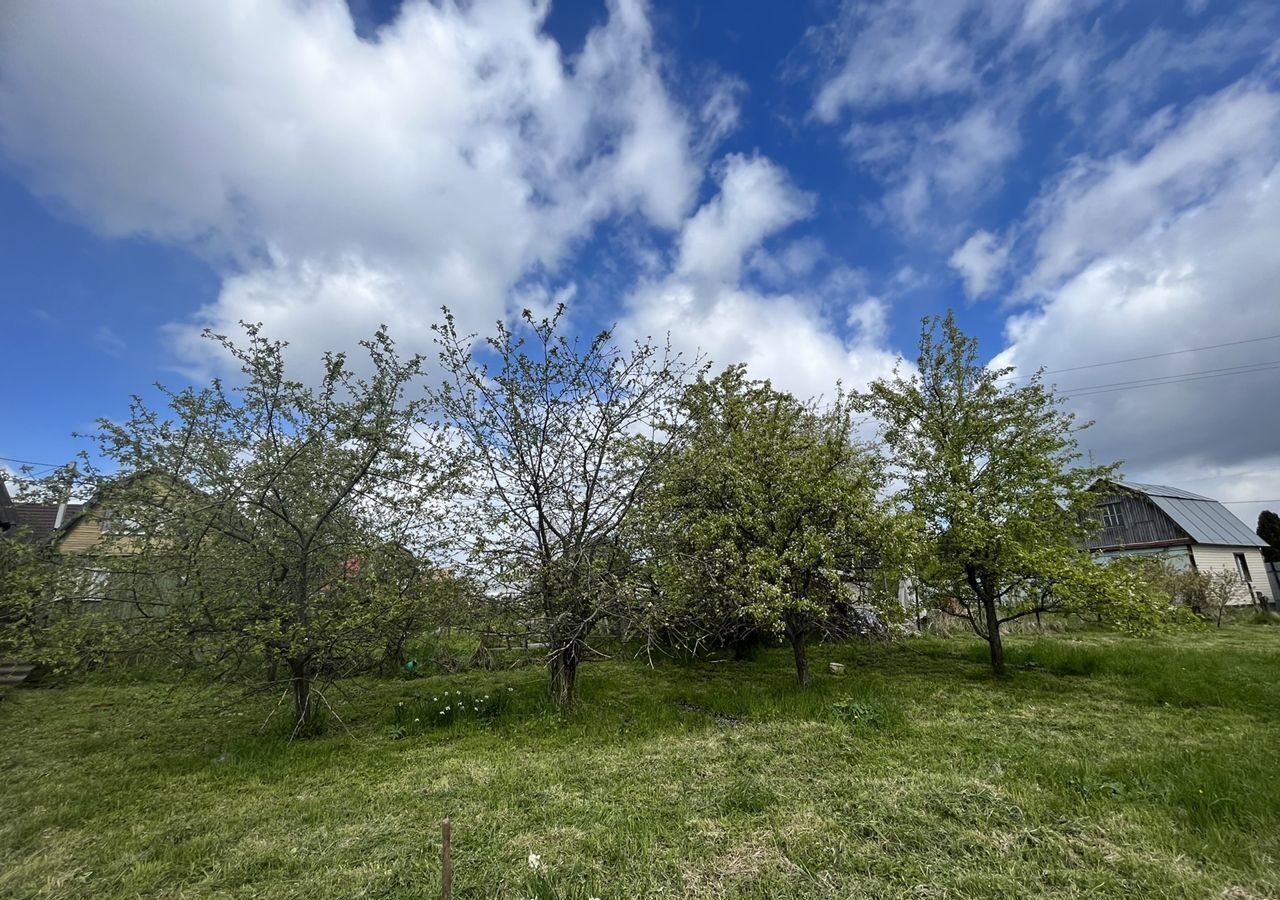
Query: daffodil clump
point(438, 709)
point(541, 886)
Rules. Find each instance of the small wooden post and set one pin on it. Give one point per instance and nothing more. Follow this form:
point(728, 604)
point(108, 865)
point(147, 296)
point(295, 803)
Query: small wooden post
point(446, 862)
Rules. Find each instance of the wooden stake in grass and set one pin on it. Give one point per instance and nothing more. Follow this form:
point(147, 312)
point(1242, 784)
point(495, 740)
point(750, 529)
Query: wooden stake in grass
point(446, 862)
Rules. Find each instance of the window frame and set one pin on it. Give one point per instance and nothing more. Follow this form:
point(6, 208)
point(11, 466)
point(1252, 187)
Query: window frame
point(1242, 567)
point(1110, 515)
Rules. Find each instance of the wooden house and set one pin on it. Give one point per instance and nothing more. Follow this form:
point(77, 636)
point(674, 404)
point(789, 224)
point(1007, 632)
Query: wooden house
point(1187, 529)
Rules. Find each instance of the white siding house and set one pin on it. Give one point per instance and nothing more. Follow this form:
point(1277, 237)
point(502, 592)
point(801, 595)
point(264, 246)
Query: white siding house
point(1186, 528)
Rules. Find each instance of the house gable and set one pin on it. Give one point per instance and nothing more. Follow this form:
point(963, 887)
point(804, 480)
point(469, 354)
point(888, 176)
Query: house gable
point(1128, 519)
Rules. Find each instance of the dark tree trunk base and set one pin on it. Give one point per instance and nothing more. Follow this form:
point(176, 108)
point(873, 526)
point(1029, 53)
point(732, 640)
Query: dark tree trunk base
point(304, 713)
point(798, 638)
point(994, 640)
point(564, 677)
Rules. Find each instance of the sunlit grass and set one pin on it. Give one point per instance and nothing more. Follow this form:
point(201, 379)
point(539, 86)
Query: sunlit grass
point(1100, 766)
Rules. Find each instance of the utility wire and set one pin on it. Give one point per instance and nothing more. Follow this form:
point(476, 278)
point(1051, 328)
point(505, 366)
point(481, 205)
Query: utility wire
point(1116, 362)
point(1173, 381)
point(1175, 378)
point(31, 462)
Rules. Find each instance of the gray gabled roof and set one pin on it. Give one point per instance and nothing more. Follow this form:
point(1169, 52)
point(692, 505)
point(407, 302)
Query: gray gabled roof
point(1206, 521)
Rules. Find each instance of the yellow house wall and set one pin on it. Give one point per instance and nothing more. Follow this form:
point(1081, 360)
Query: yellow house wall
point(1222, 559)
point(83, 534)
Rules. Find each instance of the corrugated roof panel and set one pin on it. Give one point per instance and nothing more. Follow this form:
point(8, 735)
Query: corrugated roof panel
point(1207, 521)
point(1164, 490)
point(38, 518)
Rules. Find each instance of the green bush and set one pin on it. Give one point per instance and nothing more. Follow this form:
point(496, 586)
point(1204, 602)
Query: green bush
point(866, 714)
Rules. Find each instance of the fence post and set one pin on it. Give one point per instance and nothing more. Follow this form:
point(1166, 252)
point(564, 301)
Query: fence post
point(446, 862)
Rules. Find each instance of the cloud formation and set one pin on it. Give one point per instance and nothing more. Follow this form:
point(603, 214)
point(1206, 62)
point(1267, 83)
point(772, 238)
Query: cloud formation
point(931, 93)
point(1106, 187)
point(343, 182)
point(1171, 249)
point(792, 337)
point(980, 261)
point(1152, 229)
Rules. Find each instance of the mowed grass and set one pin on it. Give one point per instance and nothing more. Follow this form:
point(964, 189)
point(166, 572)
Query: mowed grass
point(1100, 767)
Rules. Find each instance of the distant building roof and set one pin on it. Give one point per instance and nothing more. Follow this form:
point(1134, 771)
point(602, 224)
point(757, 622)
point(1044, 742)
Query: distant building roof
point(1206, 520)
point(39, 518)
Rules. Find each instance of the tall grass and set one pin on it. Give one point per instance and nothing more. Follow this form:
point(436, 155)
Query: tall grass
point(1100, 766)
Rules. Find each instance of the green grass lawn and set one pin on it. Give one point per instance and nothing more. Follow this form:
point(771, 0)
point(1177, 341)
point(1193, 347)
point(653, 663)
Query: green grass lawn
point(1100, 767)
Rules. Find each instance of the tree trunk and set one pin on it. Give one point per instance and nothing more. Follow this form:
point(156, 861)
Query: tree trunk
point(993, 635)
point(798, 637)
point(564, 675)
point(746, 646)
point(300, 681)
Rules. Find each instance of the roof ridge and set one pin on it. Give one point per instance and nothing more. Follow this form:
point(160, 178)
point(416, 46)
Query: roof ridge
point(1165, 490)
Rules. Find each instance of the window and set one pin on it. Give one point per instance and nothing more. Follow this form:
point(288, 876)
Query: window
point(113, 522)
point(1242, 566)
point(1111, 517)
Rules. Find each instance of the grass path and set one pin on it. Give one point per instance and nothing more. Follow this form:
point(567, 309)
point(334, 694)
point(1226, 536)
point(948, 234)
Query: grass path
point(1102, 767)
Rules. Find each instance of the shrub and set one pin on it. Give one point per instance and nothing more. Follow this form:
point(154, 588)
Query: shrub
point(865, 714)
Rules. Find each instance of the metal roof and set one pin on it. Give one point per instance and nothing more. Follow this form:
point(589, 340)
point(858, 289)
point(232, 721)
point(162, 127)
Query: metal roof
point(1163, 490)
point(1206, 521)
point(38, 518)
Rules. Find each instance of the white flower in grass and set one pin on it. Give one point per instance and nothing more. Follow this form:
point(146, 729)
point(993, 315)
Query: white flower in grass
point(417, 720)
point(535, 861)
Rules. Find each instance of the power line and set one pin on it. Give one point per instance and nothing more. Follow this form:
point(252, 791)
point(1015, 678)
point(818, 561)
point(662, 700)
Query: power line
point(1116, 362)
point(1244, 367)
point(31, 462)
point(1233, 502)
point(1181, 378)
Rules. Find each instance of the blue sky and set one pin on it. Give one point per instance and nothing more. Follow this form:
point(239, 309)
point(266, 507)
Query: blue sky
point(792, 185)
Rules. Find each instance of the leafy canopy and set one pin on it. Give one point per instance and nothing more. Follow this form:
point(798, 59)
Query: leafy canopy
point(274, 521)
point(563, 437)
point(766, 516)
point(1269, 530)
point(991, 469)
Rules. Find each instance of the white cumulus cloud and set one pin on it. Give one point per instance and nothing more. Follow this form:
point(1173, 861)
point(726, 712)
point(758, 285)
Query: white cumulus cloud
point(793, 337)
point(980, 261)
point(338, 182)
point(1144, 254)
